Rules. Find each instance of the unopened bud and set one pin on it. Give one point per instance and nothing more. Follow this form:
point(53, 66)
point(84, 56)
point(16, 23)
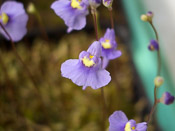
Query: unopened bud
point(158, 81)
point(147, 17)
point(31, 8)
point(94, 3)
point(108, 3)
point(144, 18)
point(150, 14)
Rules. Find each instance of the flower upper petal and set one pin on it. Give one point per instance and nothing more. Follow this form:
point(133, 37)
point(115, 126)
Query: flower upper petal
point(73, 18)
point(117, 121)
point(95, 49)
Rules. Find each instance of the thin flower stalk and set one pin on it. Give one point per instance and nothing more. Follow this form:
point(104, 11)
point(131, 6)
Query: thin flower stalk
point(26, 69)
point(10, 89)
point(94, 15)
point(158, 74)
point(111, 17)
point(32, 10)
point(94, 12)
point(158, 51)
point(154, 105)
point(42, 29)
point(18, 57)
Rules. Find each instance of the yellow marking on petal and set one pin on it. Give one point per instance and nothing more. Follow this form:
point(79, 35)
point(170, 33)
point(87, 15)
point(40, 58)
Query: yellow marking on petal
point(128, 127)
point(4, 17)
point(91, 56)
point(106, 44)
point(152, 47)
point(76, 4)
point(87, 62)
point(133, 128)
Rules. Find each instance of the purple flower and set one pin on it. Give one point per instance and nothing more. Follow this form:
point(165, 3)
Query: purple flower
point(72, 12)
point(167, 98)
point(14, 19)
point(119, 122)
point(87, 71)
point(153, 45)
point(109, 46)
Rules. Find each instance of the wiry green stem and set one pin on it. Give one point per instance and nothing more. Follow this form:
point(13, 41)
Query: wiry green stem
point(26, 69)
point(111, 18)
point(93, 11)
point(43, 31)
point(94, 14)
point(158, 51)
point(158, 73)
point(19, 58)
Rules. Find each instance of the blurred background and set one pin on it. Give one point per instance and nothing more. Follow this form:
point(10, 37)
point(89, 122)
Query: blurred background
point(55, 103)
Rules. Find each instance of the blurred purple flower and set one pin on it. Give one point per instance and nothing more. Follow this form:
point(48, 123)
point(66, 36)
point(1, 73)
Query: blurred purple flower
point(87, 71)
point(154, 45)
point(72, 12)
point(109, 46)
point(167, 98)
point(14, 19)
point(119, 122)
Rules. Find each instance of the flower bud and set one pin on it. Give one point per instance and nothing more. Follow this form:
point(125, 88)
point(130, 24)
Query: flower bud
point(147, 17)
point(107, 3)
point(167, 98)
point(158, 81)
point(153, 45)
point(31, 8)
point(94, 3)
point(144, 18)
point(150, 14)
